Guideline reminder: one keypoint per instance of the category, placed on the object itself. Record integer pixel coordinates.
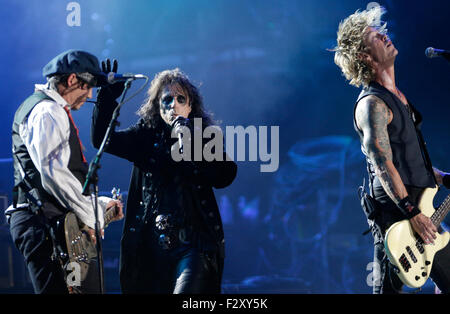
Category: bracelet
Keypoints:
(408, 208)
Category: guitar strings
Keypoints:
(441, 211)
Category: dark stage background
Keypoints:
(260, 63)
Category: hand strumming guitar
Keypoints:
(424, 227)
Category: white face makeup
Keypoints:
(174, 101)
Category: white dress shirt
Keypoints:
(46, 135)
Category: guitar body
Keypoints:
(406, 249)
(80, 248)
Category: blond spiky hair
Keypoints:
(350, 43)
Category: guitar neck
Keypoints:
(109, 215)
(440, 213)
(111, 212)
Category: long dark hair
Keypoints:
(149, 111)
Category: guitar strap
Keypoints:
(426, 155)
(32, 194)
(423, 147)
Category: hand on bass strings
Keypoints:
(424, 227)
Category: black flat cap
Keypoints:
(75, 61)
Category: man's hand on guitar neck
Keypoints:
(424, 227)
(118, 215)
(118, 211)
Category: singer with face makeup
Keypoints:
(173, 240)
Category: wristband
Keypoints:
(408, 208)
(446, 181)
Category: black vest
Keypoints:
(24, 165)
(409, 153)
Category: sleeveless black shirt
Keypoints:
(409, 153)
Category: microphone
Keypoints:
(431, 52)
(112, 77)
(177, 123)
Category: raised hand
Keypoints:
(113, 90)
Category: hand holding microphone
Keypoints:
(177, 125)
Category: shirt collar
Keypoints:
(52, 94)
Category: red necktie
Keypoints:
(78, 135)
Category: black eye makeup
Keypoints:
(167, 100)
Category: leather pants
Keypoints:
(183, 269)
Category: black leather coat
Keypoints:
(160, 185)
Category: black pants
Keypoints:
(181, 270)
(32, 237)
(386, 281)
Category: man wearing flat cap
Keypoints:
(50, 170)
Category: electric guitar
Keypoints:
(405, 248)
(79, 245)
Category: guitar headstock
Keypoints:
(116, 194)
(113, 210)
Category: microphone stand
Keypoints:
(92, 179)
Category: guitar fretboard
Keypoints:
(441, 212)
(109, 215)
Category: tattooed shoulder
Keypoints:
(372, 112)
(373, 117)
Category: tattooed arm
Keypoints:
(373, 117)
